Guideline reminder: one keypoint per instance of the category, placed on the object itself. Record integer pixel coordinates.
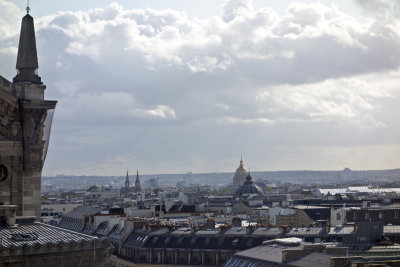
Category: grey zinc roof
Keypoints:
(271, 253)
(115, 233)
(159, 231)
(45, 234)
(341, 230)
(135, 240)
(182, 231)
(244, 262)
(70, 223)
(274, 231)
(314, 259)
(207, 232)
(236, 231)
(306, 231)
(102, 229)
(81, 211)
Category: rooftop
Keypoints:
(38, 233)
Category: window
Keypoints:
(367, 215)
(221, 241)
(235, 241)
(338, 216)
(207, 240)
(355, 216)
(193, 241)
(249, 241)
(380, 215)
(167, 239)
(24, 236)
(180, 240)
(396, 215)
(155, 239)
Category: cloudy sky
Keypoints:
(176, 86)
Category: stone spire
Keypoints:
(137, 182)
(27, 61)
(127, 180)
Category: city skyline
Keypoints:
(172, 90)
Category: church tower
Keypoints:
(137, 183)
(25, 118)
(126, 191)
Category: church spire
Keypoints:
(137, 182)
(241, 161)
(127, 180)
(27, 61)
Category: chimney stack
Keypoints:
(8, 214)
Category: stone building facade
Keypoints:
(25, 120)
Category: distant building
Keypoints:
(152, 182)
(357, 190)
(127, 189)
(248, 189)
(137, 187)
(282, 252)
(240, 175)
(386, 215)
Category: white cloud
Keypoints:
(331, 100)
(160, 111)
(234, 120)
(10, 17)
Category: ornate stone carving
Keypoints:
(32, 124)
(3, 173)
(5, 127)
(15, 129)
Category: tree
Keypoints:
(157, 190)
(93, 188)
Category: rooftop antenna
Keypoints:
(28, 8)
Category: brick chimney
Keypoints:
(327, 227)
(236, 222)
(210, 224)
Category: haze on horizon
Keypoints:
(290, 86)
